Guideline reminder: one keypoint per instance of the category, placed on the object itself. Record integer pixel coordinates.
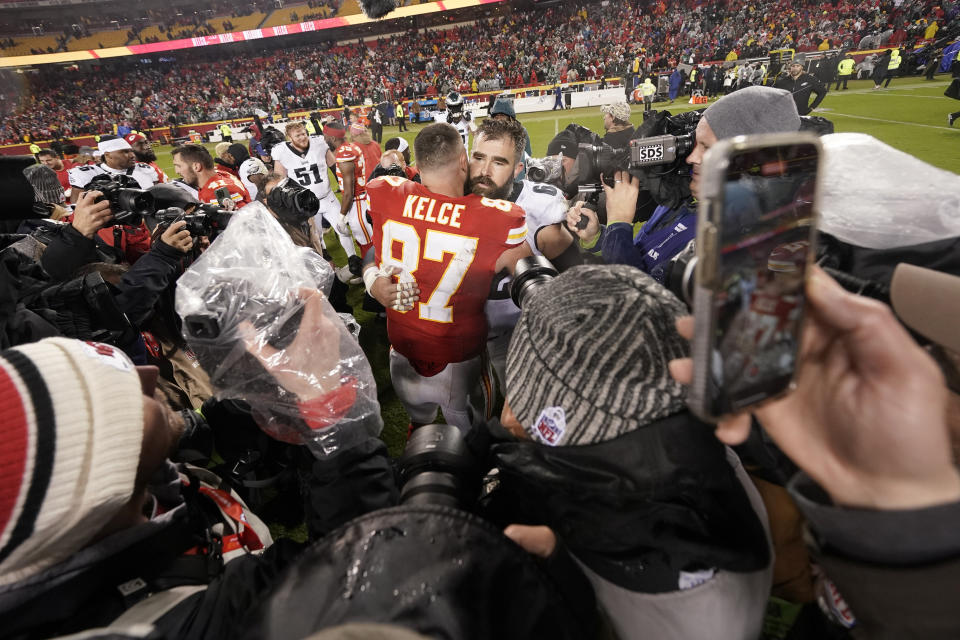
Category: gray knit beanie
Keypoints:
(588, 358)
(753, 110)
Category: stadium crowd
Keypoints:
(527, 48)
(193, 391)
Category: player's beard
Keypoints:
(192, 179)
(482, 186)
(146, 156)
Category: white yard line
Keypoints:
(912, 124)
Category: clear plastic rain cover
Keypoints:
(254, 313)
(877, 197)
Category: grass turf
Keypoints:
(910, 116)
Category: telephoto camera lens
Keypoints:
(531, 274)
(140, 203)
(437, 468)
(679, 276)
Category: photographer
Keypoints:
(867, 425)
(668, 231)
(297, 223)
(90, 236)
(665, 524)
(616, 124)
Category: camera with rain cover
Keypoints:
(128, 202)
(548, 170)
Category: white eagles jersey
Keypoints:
(309, 168)
(544, 205)
(464, 127)
(143, 173)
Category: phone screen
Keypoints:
(763, 251)
(222, 194)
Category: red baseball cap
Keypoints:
(134, 137)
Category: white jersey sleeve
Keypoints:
(544, 205)
(81, 176)
(146, 175)
(309, 168)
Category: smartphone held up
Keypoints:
(756, 230)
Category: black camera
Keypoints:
(205, 220)
(293, 203)
(679, 273)
(529, 275)
(656, 150)
(128, 202)
(394, 170)
(437, 468)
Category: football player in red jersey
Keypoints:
(194, 164)
(444, 248)
(144, 153)
(351, 175)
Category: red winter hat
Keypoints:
(134, 137)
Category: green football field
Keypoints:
(911, 116)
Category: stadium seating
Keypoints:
(24, 45)
(98, 39)
(282, 16)
(349, 8)
(242, 23)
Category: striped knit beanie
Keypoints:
(71, 428)
(588, 358)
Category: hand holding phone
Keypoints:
(222, 195)
(755, 240)
(868, 418)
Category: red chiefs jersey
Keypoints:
(351, 152)
(63, 175)
(450, 246)
(238, 193)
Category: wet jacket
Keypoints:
(641, 508)
(435, 570)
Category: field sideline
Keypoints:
(910, 116)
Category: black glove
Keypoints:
(355, 264)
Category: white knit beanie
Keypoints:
(71, 428)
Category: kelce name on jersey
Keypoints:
(421, 208)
